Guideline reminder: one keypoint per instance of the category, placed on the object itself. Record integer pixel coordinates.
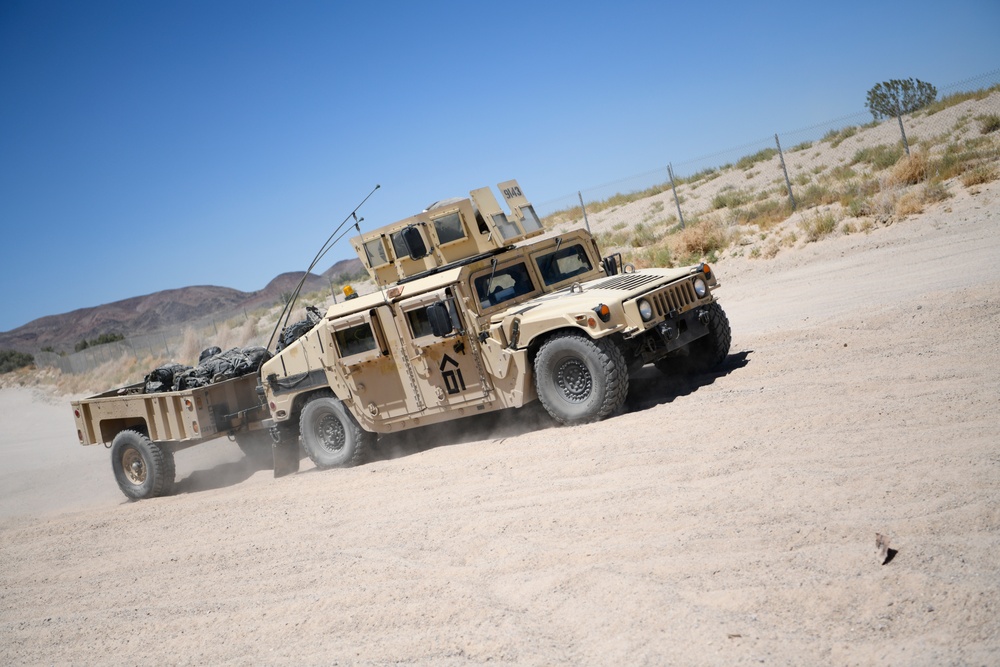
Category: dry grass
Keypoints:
(698, 241)
(819, 225)
(983, 173)
(910, 169)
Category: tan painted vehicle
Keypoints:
(477, 310)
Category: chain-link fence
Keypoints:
(790, 170)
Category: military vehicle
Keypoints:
(476, 309)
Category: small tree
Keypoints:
(897, 97)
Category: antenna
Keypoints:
(330, 242)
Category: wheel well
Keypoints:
(112, 427)
(538, 341)
(300, 402)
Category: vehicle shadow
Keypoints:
(490, 426)
(219, 476)
(649, 387)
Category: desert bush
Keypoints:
(748, 161)
(957, 98)
(764, 214)
(11, 360)
(910, 202)
(730, 198)
(837, 137)
(983, 173)
(879, 157)
(842, 173)
(817, 226)
(816, 195)
(642, 236)
(988, 123)
(701, 239)
(856, 197)
(658, 256)
(910, 169)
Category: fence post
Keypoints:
(788, 183)
(670, 170)
(906, 144)
(584, 209)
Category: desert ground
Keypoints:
(724, 519)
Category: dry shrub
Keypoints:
(910, 169)
(701, 239)
(765, 214)
(980, 174)
(910, 202)
(818, 226)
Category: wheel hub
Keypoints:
(133, 466)
(574, 380)
(331, 433)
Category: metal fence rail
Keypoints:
(793, 142)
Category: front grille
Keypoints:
(676, 297)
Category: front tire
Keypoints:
(580, 380)
(330, 435)
(707, 352)
(143, 469)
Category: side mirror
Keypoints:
(440, 319)
(415, 245)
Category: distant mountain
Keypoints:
(162, 310)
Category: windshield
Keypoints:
(507, 283)
(563, 263)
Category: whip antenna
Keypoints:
(286, 313)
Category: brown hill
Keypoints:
(161, 310)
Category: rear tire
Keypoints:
(143, 469)
(330, 435)
(580, 380)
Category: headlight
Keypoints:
(700, 288)
(645, 310)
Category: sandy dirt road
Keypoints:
(723, 520)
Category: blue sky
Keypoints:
(153, 145)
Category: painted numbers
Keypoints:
(510, 193)
(454, 383)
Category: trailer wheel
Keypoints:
(143, 469)
(330, 435)
(580, 380)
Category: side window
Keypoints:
(399, 245)
(505, 284)
(355, 340)
(420, 325)
(531, 222)
(562, 264)
(376, 252)
(449, 228)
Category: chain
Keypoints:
(409, 374)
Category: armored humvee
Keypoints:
(479, 309)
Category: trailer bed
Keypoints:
(182, 418)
